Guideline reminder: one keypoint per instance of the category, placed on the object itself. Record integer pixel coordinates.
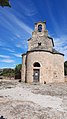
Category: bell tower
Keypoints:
(40, 29)
(40, 39)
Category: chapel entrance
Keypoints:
(36, 72)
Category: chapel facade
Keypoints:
(42, 63)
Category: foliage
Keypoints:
(8, 72)
(5, 3)
(18, 71)
(1, 70)
(65, 67)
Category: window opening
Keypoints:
(36, 64)
(39, 44)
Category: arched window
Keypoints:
(36, 64)
(40, 28)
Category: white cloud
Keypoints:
(7, 61)
(22, 25)
(18, 36)
(22, 44)
(8, 49)
(18, 45)
(4, 56)
(28, 8)
(61, 45)
(7, 67)
(17, 55)
(2, 43)
(13, 22)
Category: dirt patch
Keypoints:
(29, 101)
(51, 89)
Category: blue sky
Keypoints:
(17, 24)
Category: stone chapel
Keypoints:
(42, 63)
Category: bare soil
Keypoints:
(33, 101)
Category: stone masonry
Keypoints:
(42, 63)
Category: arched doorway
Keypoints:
(36, 72)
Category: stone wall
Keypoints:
(50, 66)
(46, 43)
(23, 71)
(40, 37)
(58, 68)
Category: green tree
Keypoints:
(18, 71)
(5, 3)
(1, 71)
(8, 72)
(65, 67)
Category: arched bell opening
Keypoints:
(40, 28)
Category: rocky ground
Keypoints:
(33, 101)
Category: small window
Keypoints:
(39, 44)
(36, 64)
(40, 28)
